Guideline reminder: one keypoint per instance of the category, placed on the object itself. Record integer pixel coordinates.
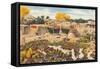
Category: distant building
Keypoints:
(27, 19)
(41, 30)
(73, 34)
(91, 21)
(24, 29)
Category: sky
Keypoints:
(75, 13)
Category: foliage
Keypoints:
(39, 51)
(24, 11)
(40, 19)
(78, 20)
(62, 16)
(51, 30)
(55, 43)
(65, 30)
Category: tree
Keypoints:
(62, 16)
(42, 19)
(80, 20)
(23, 12)
(47, 17)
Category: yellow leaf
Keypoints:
(24, 10)
(30, 49)
(29, 53)
(22, 53)
(62, 16)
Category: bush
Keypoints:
(55, 43)
(51, 30)
(65, 30)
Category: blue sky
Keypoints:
(73, 12)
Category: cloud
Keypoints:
(82, 13)
(42, 11)
(73, 12)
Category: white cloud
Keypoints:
(82, 13)
(44, 12)
(75, 13)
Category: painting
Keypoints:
(56, 34)
(50, 34)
